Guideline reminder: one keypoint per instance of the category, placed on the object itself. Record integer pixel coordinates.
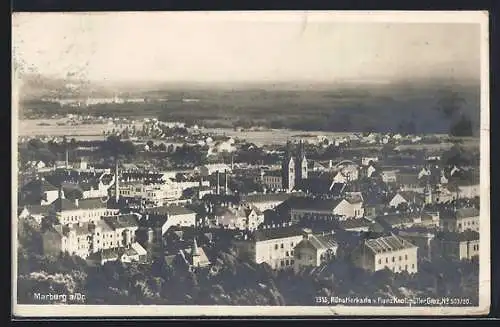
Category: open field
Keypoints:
(32, 127)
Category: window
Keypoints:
(287, 262)
(292, 262)
(459, 225)
(282, 263)
(387, 260)
(287, 254)
(276, 246)
(393, 259)
(282, 246)
(412, 266)
(400, 258)
(406, 256)
(379, 261)
(291, 252)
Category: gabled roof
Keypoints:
(411, 196)
(269, 197)
(398, 218)
(172, 210)
(353, 223)
(460, 213)
(276, 233)
(466, 236)
(39, 185)
(388, 244)
(319, 242)
(122, 221)
(304, 203)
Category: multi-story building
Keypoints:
(79, 210)
(274, 246)
(244, 216)
(325, 209)
(272, 180)
(267, 201)
(85, 238)
(392, 252)
(461, 246)
(313, 250)
(460, 220)
(167, 216)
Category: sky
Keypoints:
(203, 47)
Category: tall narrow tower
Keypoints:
(225, 182)
(301, 169)
(217, 187)
(288, 170)
(117, 182)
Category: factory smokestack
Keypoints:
(217, 189)
(117, 182)
(225, 182)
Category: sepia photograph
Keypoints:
(250, 163)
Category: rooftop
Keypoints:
(304, 203)
(461, 213)
(276, 233)
(172, 210)
(388, 244)
(122, 221)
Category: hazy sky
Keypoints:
(199, 47)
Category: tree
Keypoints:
(162, 147)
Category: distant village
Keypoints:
(382, 212)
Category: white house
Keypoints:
(392, 252)
(314, 250)
(325, 209)
(460, 220)
(274, 246)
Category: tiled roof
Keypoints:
(353, 223)
(87, 204)
(460, 213)
(39, 185)
(276, 233)
(398, 218)
(63, 205)
(322, 241)
(466, 236)
(388, 244)
(122, 221)
(270, 197)
(172, 210)
(303, 203)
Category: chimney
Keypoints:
(117, 183)
(67, 156)
(217, 189)
(76, 202)
(225, 182)
(61, 192)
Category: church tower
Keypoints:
(288, 170)
(301, 169)
(429, 198)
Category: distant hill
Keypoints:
(420, 106)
